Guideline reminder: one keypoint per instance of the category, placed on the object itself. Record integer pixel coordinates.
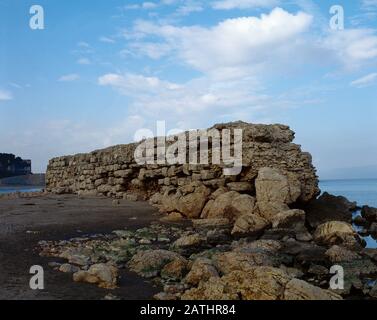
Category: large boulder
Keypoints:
(230, 205)
(192, 240)
(188, 200)
(293, 219)
(336, 232)
(301, 290)
(273, 186)
(329, 208)
(175, 270)
(249, 224)
(247, 255)
(369, 214)
(191, 203)
(202, 270)
(258, 283)
(275, 191)
(149, 263)
(104, 275)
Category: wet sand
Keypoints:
(25, 221)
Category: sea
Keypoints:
(363, 191)
(11, 189)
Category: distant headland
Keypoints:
(12, 166)
(15, 171)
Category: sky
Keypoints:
(100, 70)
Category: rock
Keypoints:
(250, 224)
(373, 291)
(258, 283)
(335, 232)
(213, 289)
(293, 219)
(218, 192)
(243, 257)
(318, 270)
(339, 254)
(110, 297)
(54, 264)
(269, 210)
(149, 263)
(104, 275)
(79, 260)
(360, 221)
(145, 241)
(173, 217)
(192, 204)
(292, 272)
(163, 296)
(371, 253)
(329, 208)
(373, 228)
(216, 237)
(68, 268)
(300, 290)
(229, 205)
(175, 270)
(156, 198)
(211, 223)
(368, 213)
(175, 288)
(305, 252)
(189, 241)
(272, 186)
(267, 245)
(240, 186)
(201, 270)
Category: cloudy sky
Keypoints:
(100, 70)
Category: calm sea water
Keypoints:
(363, 191)
(7, 189)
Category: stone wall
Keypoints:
(113, 172)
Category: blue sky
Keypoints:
(100, 70)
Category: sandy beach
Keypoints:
(26, 221)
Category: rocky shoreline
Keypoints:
(262, 233)
(201, 259)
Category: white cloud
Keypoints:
(5, 95)
(353, 47)
(152, 50)
(243, 4)
(83, 44)
(154, 98)
(234, 45)
(148, 5)
(69, 77)
(365, 81)
(83, 61)
(234, 57)
(189, 8)
(135, 84)
(106, 40)
(369, 3)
